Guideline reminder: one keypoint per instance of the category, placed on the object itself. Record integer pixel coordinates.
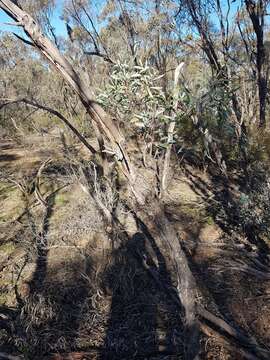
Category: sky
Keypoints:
(57, 23)
(60, 27)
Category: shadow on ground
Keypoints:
(122, 314)
(143, 320)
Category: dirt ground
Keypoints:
(84, 294)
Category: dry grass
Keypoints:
(95, 294)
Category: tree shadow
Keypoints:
(223, 206)
(41, 241)
(8, 157)
(52, 311)
(143, 321)
(229, 288)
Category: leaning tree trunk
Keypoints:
(103, 121)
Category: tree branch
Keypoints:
(97, 53)
(54, 112)
(24, 40)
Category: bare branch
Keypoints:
(97, 53)
(54, 112)
(24, 40)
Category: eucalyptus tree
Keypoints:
(138, 192)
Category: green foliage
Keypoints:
(134, 87)
(134, 93)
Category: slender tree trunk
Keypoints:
(167, 158)
(257, 12)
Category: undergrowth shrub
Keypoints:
(135, 96)
(254, 204)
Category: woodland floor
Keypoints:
(85, 295)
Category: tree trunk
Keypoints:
(104, 122)
(257, 12)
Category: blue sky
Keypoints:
(58, 24)
(60, 27)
